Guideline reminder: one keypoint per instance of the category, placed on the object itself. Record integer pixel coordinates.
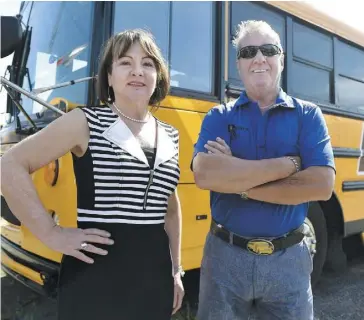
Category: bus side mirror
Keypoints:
(11, 35)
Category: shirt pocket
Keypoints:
(240, 141)
(283, 141)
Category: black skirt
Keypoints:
(133, 282)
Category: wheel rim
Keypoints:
(310, 236)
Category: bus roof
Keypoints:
(309, 13)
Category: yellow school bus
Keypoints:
(56, 60)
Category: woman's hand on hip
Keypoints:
(72, 241)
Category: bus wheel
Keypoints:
(336, 260)
(317, 240)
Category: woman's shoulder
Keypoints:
(96, 108)
(172, 132)
(96, 111)
(168, 127)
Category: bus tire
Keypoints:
(336, 260)
(317, 223)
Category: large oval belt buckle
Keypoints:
(260, 246)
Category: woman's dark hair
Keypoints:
(116, 47)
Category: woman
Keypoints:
(123, 260)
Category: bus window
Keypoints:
(59, 51)
(131, 15)
(350, 79)
(350, 94)
(191, 47)
(312, 59)
(182, 39)
(312, 45)
(302, 85)
(350, 61)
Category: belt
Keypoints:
(259, 246)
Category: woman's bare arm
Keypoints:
(68, 133)
(173, 225)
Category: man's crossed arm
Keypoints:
(269, 180)
(228, 174)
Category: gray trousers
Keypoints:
(232, 279)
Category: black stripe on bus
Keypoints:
(354, 227)
(353, 185)
(346, 153)
(340, 112)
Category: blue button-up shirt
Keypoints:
(291, 127)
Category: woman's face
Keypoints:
(134, 75)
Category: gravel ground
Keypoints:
(341, 297)
(336, 297)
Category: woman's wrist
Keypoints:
(178, 270)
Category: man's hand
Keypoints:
(218, 147)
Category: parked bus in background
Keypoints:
(60, 42)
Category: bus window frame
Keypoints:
(290, 59)
(361, 157)
(338, 74)
(101, 31)
(332, 108)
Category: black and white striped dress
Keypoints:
(124, 190)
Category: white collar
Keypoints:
(120, 134)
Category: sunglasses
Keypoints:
(268, 50)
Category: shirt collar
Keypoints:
(283, 100)
(120, 134)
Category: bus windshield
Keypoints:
(59, 51)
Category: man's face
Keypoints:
(260, 73)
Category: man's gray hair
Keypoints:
(248, 27)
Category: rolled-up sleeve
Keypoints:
(315, 142)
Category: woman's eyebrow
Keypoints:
(145, 57)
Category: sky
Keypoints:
(340, 9)
(343, 10)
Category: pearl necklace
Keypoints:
(127, 117)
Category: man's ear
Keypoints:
(237, 66)
(282, 61)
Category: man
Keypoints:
(264, 157)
